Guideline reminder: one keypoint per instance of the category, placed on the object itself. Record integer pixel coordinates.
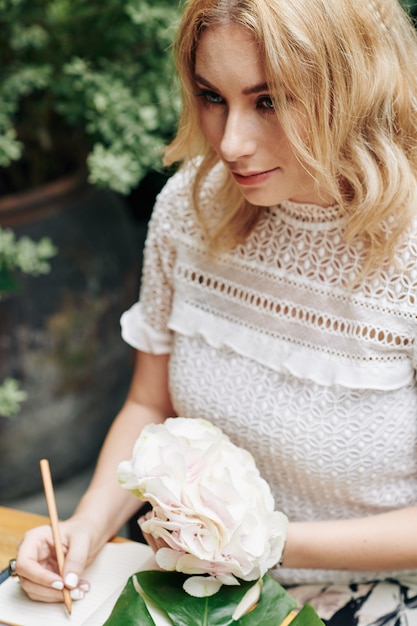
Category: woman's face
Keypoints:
(238, 119)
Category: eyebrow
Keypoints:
(248, 91)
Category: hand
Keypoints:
(37, 567)
(154, 542)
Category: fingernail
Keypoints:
(77, 594)
(71, 580)
(57, 584)
(85, 586)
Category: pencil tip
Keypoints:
(68, 606)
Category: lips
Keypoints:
(253, 178)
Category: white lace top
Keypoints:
(315, 377)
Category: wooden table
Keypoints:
(13, 525)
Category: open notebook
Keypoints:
(107, 575)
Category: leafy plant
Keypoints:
(11, 397)
(22, 254)
(85, 82)
(31, 258)
(164, 590)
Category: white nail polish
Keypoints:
(85, 586)
(71, 580)
(77, 594)
(57, 584)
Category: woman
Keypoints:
(279, 294)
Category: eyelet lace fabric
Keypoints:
(275, 343)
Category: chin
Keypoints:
(262, 199)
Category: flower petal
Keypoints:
(167, 558)
(227, 579)
(248, 601)
(201, 586)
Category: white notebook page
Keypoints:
(107, 575)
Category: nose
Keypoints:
(239, 137)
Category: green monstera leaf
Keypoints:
(164, 589)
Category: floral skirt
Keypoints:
(382, 603)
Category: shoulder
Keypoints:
(407, 253)
(175, 204)
(395, 283)
(183, 181)
(180, 183)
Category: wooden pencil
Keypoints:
(53, 517)
(289, 618)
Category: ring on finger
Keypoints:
(12, 567)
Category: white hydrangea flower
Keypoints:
(211, 506)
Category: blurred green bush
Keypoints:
(85, 82)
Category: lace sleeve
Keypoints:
(144, 325)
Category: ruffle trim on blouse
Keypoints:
(140, 335)
(325, 369)
(281, 356)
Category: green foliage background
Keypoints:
(85, 81)
(32, 258)
(410, 6)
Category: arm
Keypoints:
(105, 507)
(105, 504)
(382, 542)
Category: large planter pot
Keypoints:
(60, 334)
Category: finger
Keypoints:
(76, 560)
(40, 593)
(36, 558)
(154, 542)
(37, 566)
(150, 540)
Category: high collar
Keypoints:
(309, 213)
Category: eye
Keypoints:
(265, 103)
(209, 97)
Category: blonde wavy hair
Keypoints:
(351, 66)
